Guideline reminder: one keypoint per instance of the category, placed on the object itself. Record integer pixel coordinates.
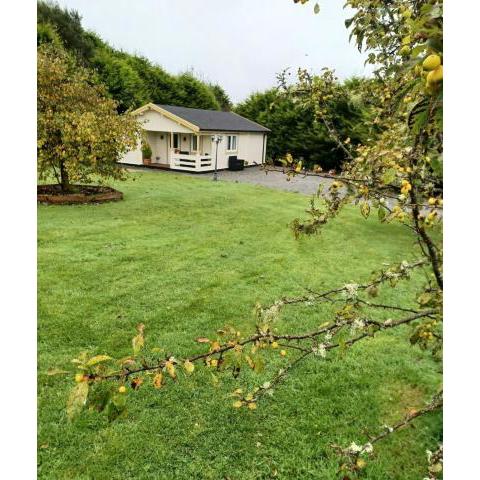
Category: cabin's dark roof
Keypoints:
(214, 120)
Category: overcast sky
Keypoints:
(240, 44)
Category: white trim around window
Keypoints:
(232, 143)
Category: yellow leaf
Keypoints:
(202, 340)
(250, 362)
(77, 399)
(137, 343)
(365, 209)
(237, 404)
(361, 463)
(171, 369)
(157, 380)
(97, 359)
(56, 371)
(189, 366)
(252, 405)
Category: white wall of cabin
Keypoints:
(249, 148)
(134, 157)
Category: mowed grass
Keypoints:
(185, 256)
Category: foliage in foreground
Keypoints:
(399, 175)
(80, 134)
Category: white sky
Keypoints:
(240, 44)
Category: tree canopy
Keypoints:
(80, 136)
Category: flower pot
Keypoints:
(147, 161)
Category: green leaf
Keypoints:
(418, 49)
(77, 399)
(372, 291)
(119, 400)
(389, 176)
(382, 213)
(421, 121)
(437, 165)
(420, 109)
(316, 9)
(99, 399)
(116, 407)
(424, 299)
(113, 412)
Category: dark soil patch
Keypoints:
(53, 194)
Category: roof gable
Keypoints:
(152, 107)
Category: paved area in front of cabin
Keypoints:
(258, 176)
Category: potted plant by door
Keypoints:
(146, 153)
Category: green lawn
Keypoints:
(185, 256)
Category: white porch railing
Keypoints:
(191, 162)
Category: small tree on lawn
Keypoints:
(80, 134)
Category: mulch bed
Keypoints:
(53, 195)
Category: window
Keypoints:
(176, 140)
(194, 143)
(231, 143)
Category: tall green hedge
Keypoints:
(295, 131)
(132, 80)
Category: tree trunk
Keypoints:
(65, 181)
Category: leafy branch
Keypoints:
(353, 456)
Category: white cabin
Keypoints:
(183, 139)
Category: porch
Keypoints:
(180, 150)
(191, 161)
